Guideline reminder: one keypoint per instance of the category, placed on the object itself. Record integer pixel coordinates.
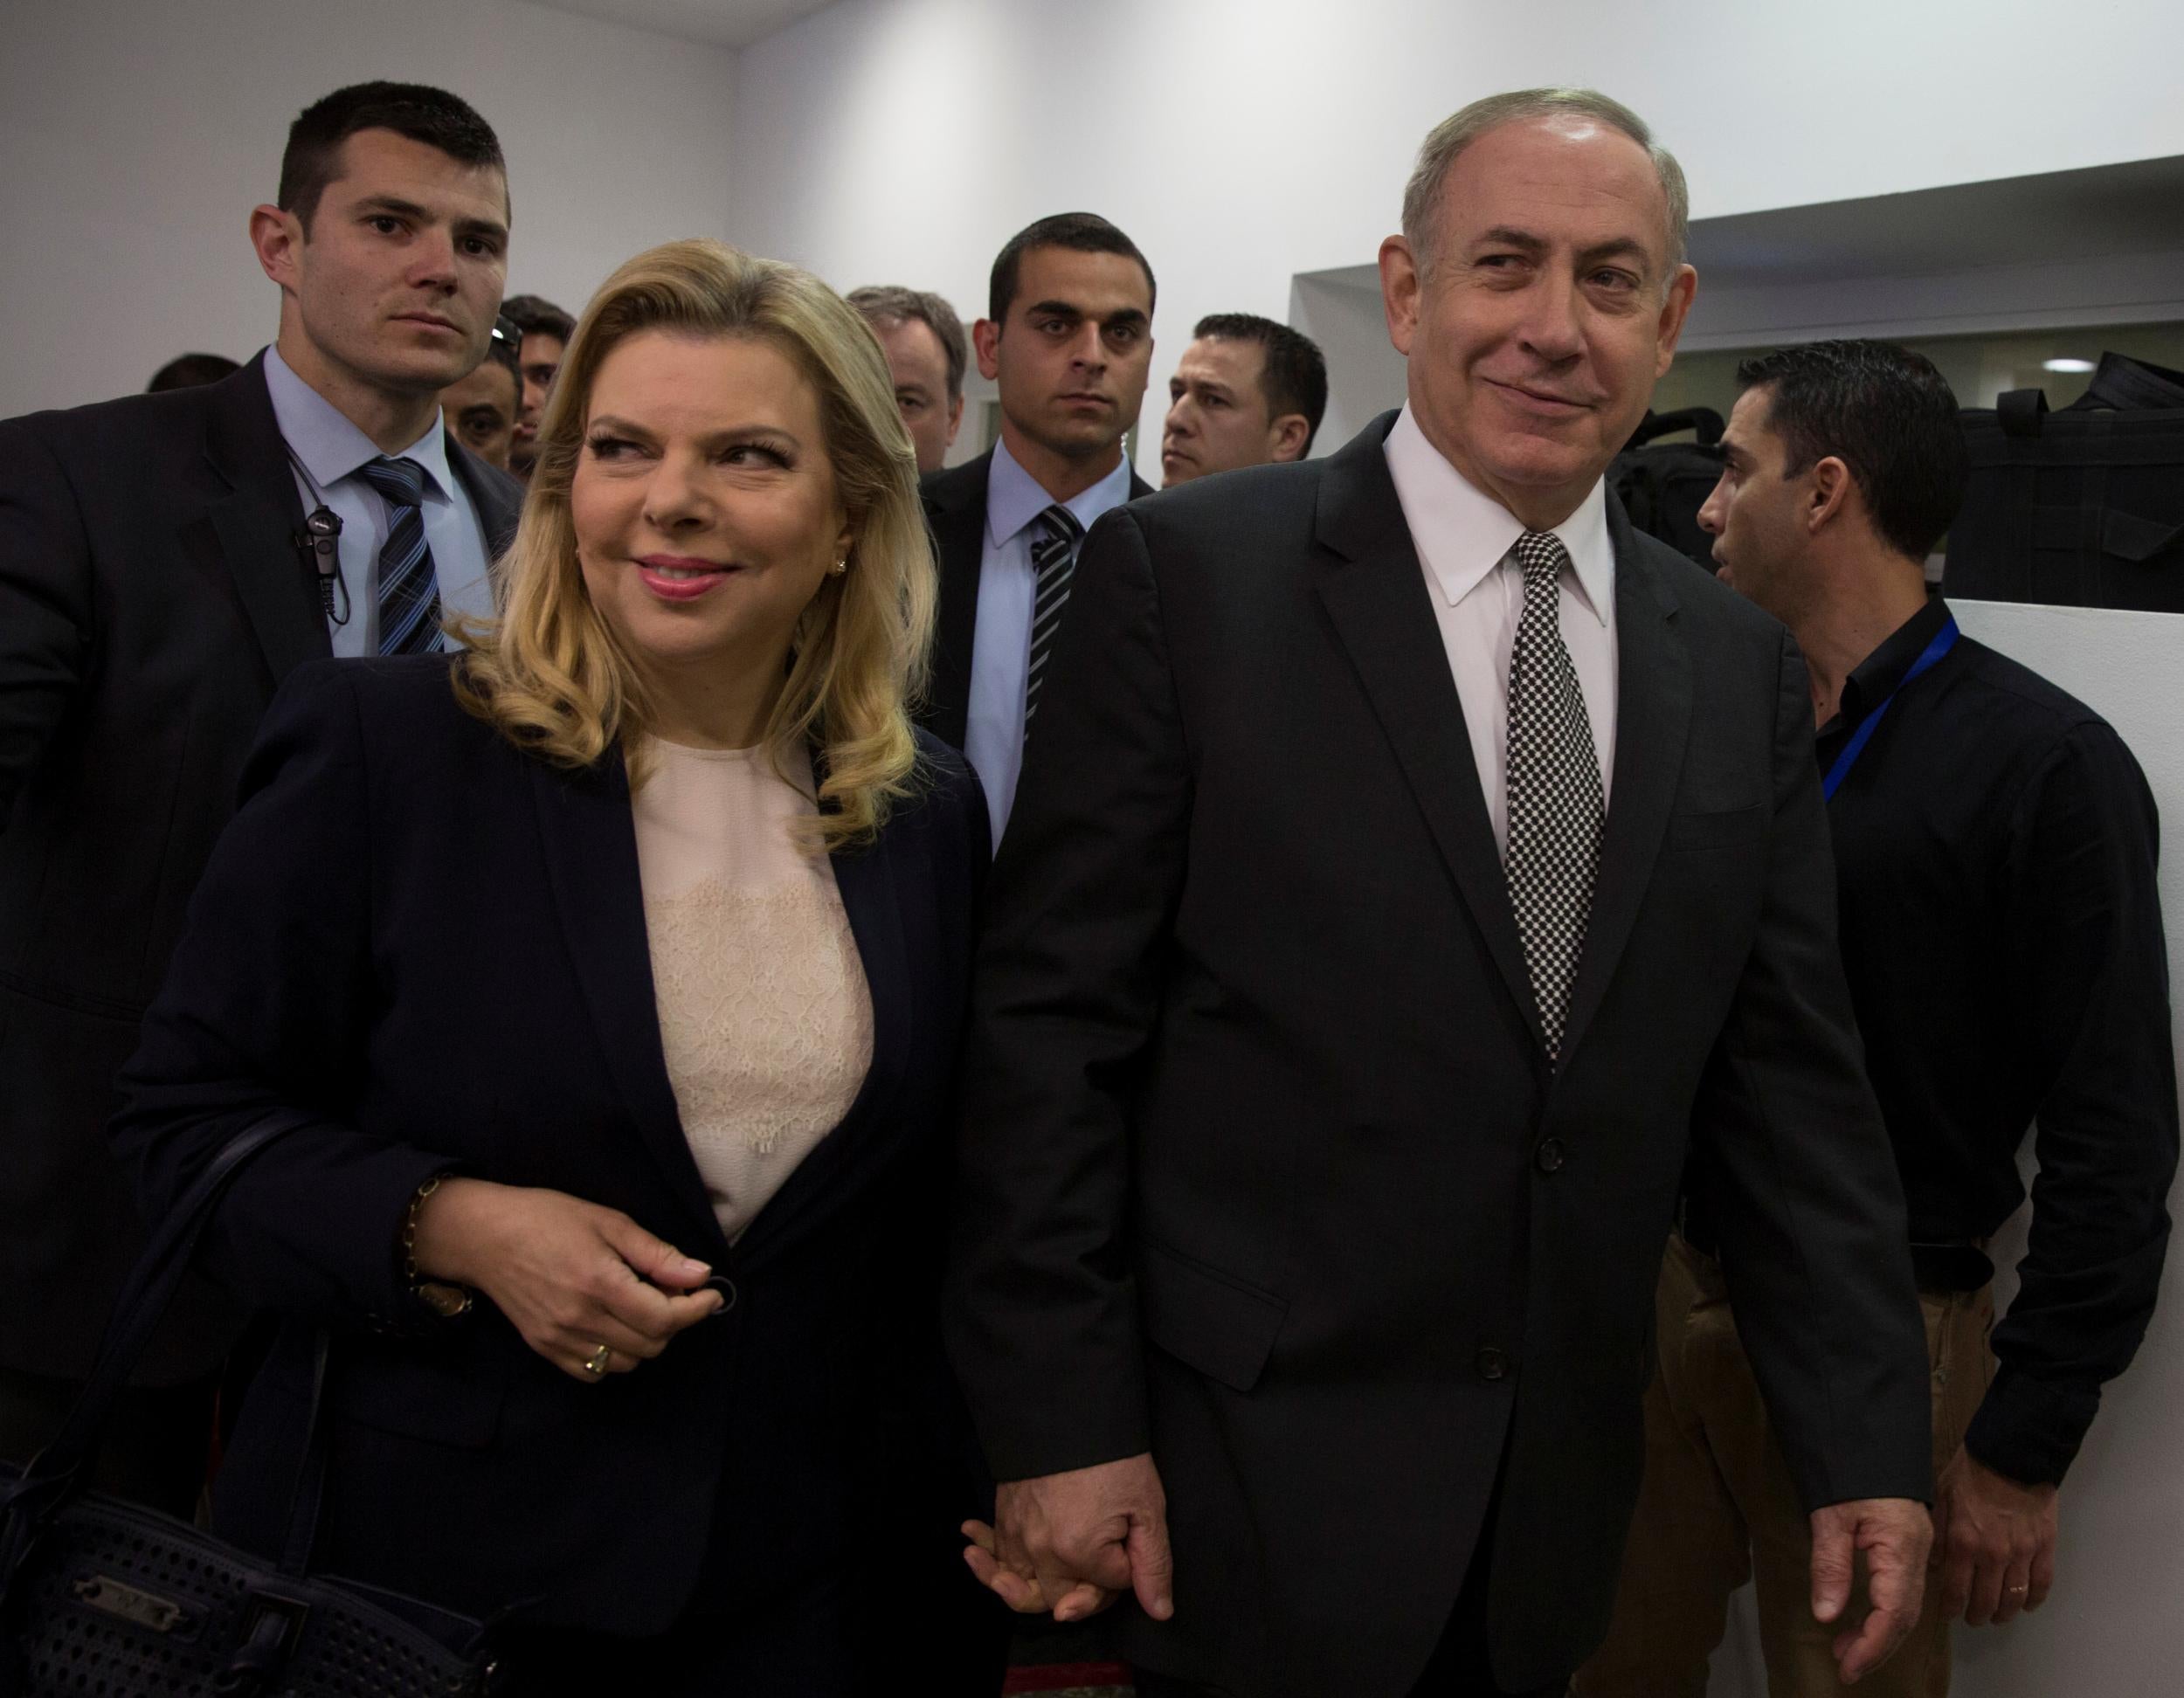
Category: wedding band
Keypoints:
(595, 1364)
(2016, 1591)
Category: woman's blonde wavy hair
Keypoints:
(550, 674)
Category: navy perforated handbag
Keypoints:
(105, 1596)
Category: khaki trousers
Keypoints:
(1718, 1507)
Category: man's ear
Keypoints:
(276, 237)
(985, 343)
(955, 419)
(1675, 307)
(1834, 493)
(1399, 283)
(1290, 432)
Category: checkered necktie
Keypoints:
(409, 598)
(1054, 545)
(1556, 814)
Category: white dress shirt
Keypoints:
(1001, 640)
(1464, 538)
(325, 450)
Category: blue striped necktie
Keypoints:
(1053, 562)
(409, 595)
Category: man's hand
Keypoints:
(1070, 1542)
(1994, 1541)
(1894, 1534)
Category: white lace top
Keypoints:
(764, 1010)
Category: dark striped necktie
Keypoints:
(1054, 544)
(409, 595)
(1557, 813)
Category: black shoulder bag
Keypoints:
(2082, 508)
(1663, 485)
(100, 1596)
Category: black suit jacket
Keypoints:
(435, 946)
(1263, 1167)
(954, 509)
(151, 597)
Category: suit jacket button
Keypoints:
(1550, 1155)
(1493, 1363)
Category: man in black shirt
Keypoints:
(1996, 848)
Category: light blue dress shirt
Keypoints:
(1001, 644)
(324, 452)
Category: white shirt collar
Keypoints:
(328, 445)
(1461, 533)
(1014, 498)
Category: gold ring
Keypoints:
(2015, 1592)
(595, 1364)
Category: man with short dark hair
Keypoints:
(187, 371)
(1068, 342)
(2001, 931)
(927, 356)
(165, 561)
(544, 330)
(1417, 870)
(481, 409)
(1248, 392)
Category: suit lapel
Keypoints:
(590, 845)
(1652, 713)
(497, 497)
(866, 879)
(955, 506)
(254, 524)
(1375, 592)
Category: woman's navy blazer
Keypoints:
(434, 943)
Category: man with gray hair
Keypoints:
(1417, 875)
(924, 340)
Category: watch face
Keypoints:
(446, 1302)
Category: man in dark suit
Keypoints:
(927, 356)
(1069, 345)
(1415, 867)
(165, 559)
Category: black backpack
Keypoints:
(1663, 484)
(2082, 508)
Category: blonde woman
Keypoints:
(619, 965)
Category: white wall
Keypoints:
(1241, 141)
(1343, 312)
(135, 136)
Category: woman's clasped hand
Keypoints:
(572, 1277)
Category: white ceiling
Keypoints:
(721, 22)
(2055, 217)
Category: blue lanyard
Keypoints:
(1945, 639)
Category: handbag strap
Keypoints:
(2022, 412)
(56, 1472)
(310, 1484)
